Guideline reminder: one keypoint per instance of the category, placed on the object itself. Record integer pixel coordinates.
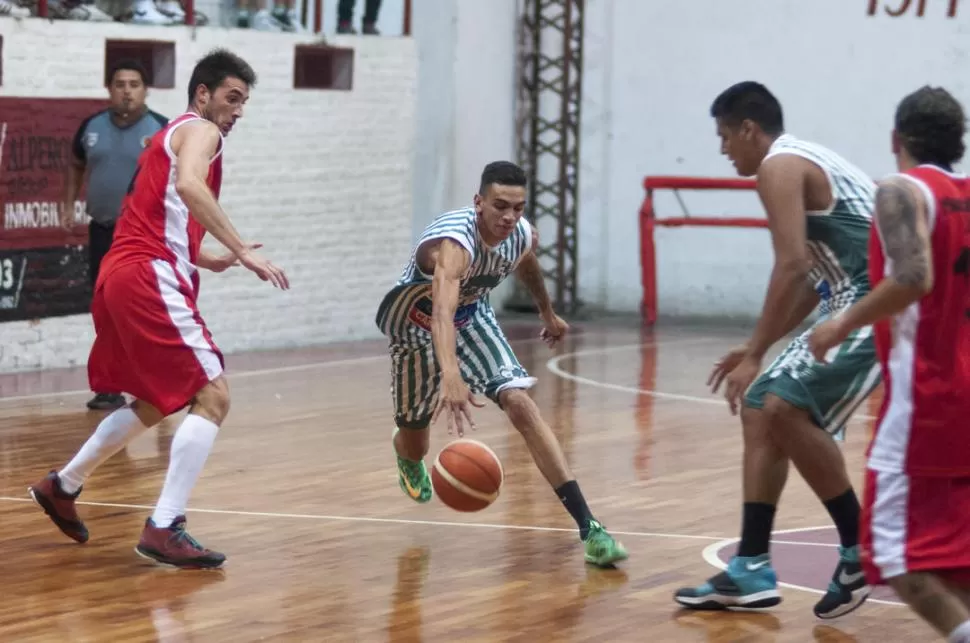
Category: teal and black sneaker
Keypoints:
(848, 589)
(747, 582)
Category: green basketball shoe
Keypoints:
(413, 477)
(601, 548)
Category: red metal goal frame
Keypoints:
(649, 223)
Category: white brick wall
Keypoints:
(321, 178)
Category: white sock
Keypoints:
(961, 634)
(114, 432)
(190, 447)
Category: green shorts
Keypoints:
(831, 391)
(487, 363)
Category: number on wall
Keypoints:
(897, 8)
(6, 274)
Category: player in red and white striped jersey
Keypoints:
(151, 339)
(916, 512)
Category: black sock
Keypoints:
(758, 518)
(845, 512)
(572, 498)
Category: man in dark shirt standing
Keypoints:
(105, 151)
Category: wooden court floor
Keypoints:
(300, 493)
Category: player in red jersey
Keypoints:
(151, 340)
(916, 512)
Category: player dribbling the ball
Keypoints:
(446, 345)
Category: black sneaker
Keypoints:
(106, 402)
(848, 589)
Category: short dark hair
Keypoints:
(218, 65)
(930, 124)
(502, 173)
(752, 101)
(127, 64)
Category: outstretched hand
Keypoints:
(737, 370)
(456, 400)
(263, 268)
(223, 262)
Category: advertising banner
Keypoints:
(43, 266)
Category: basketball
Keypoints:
(467, 475)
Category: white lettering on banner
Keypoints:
(904, 6)
(30, 215)
(6, 274)
(11, 282)
(39, 214)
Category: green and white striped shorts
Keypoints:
(487, 363)
(831, 391)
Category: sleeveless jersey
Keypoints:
(155, 223)
(837, 237)
(923, 427)
(406, 309)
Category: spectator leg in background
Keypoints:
(245, 11)
(369, 23)
(345, 16)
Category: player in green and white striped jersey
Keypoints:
(446, 345)
(819, 209)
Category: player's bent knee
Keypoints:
(212, 402)
(751, 417)
(779, 413)
(147, 414)
(754, 426)
(520, 408)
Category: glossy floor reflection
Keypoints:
(300, 492)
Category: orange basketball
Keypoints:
(467, 475)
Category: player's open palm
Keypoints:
(264, 269)
(724, 366)
(738, 381)
(455, 400)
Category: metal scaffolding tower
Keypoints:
(548, 124)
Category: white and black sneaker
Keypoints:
(144, 12)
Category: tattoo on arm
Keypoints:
(903, 237)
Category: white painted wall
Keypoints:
(322, 178)
(428, 113)
(651, 71)
(838, 72)
(466, 97)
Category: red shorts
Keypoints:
(151, 341)
(915, 523)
